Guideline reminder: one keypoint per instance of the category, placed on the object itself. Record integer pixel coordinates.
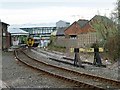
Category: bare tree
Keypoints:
(116, 18)
(118, 29)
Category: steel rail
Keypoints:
(93, 77)
(108, 80)
(112, 82)
(78, 83)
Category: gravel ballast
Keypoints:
(111, 73)
(17, 75)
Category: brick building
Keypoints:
(4, 36)
(74, 34)
(98, 29)
(84, 33)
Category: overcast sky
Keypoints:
(46, 11)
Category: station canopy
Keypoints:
(17, 31)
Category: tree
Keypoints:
(104, 27)
(114, 42)
(118, 38)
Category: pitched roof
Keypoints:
(4, 23)
(102, 22)
(17, 31)
(82, 22)
(88, 28)
(76, 27)
(85, 26)
(73, 29)
(62, 21)
(102, 19)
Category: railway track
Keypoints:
(53, 57)
(81, 79)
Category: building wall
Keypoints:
(87, 39)
(6, 40)
(60, 41)
(4, 36)
(0, 36)
(82, 40)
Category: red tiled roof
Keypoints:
(85, 27)
(88, 28)
(73, 29)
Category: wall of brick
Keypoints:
(0, 36)
(82, 40)
(87, 39)
(6, 37)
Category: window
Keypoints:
(3, 34)
(73, 36)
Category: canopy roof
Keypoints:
(17, 31)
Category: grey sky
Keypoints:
(14, 4)
(24, 5)
(41, 11)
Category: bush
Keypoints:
(113, 47)
(57, 48)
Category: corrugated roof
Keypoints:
(4, 23)
(17, 31)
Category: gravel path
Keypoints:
(17, 75)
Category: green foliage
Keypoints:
(95, 45)
(113, 43)
(107, 30)
(57, 48)
(118, 38)
(113, 47)
(104, 27)
(52, 39)
(51, 45)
